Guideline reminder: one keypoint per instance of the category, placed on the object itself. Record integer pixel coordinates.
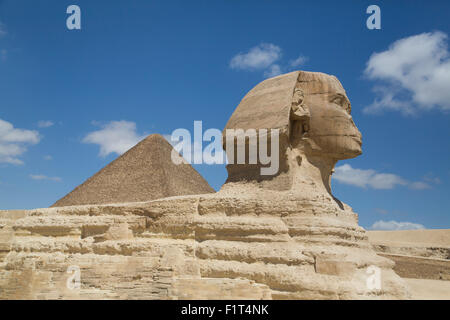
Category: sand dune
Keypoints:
(422, 258)
(426, 237)
(422, 289)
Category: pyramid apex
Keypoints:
(154, 136)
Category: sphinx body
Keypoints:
(281, 236)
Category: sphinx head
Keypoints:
(313, 115)
(320, 118)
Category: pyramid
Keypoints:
(145, 172)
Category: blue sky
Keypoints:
(141, 67)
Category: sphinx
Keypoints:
(276, 236)
(313, 114)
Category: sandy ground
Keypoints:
(420, 268)
(425, 289)
(427, 237)
(422, 259)
(431, 243)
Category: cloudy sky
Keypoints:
(71, 101)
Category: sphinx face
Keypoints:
(331, 128)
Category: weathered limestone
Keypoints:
(194, 247)
(260, 237)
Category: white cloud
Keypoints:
(299, 61)
(114, 137)
(257, 58)
(419, 185)
(45, 124)
(273, 71)
(418, 66)
(365, 178)
(394, 225)
(265, 57)
(429, 177)
(386, 99)
(44, 177)
(48, 157)
(13, 142)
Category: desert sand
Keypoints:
(422, 258)
(422, 289)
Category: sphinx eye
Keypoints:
(338, 100)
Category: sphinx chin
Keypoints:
(354, 149)
(346, 148)
(349, 153)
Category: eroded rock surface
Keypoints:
(194, 247)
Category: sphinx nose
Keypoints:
(355, 128)
(351, 120)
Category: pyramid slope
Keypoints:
(145, 172)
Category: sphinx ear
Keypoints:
(299, 125)
(299, 110)
(299, 115)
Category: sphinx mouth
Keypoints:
(358, 140)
